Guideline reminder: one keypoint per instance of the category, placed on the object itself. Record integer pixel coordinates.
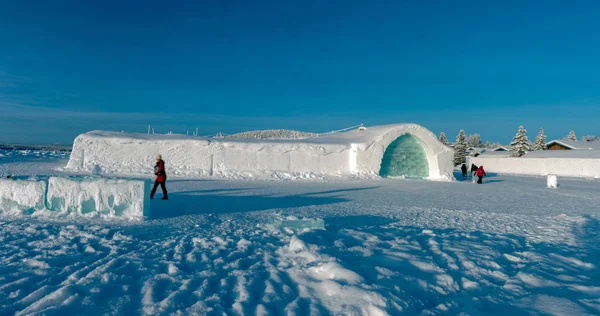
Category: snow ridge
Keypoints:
(272, 134)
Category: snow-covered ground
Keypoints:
(510, 246)
(32, 155)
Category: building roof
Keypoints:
(496, 154)
(576, 145)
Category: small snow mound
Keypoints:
(296, 244)
(334, 271)
(172, 269)
(34, 263)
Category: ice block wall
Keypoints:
(124, 198)
(21, 196)
(565, 167)
(76, 197)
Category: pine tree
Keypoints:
(475, 141)
(460, 148)
(444, 139)
(520, 144)
(488, 144)
(540, 141)
(572, 136)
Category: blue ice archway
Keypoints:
(405, 157)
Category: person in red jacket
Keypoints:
(480, 173)
(161, 178)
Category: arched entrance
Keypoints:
(405, 157)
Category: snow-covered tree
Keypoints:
(520, 144)
(475, 141)
(493, 145)
(460, 148)
(488, 144)
(572, 136)
(590, 138)
(540, 141)
(444, 139)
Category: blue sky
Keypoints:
(67, 67)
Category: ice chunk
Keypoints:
(126, 198)
(302, 224)
(21, 196)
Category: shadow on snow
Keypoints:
(238, 200)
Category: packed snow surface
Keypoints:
(337, 154)
(370, 247)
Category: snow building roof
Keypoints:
(496, 154)
(355, 136)
(576, 145)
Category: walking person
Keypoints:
(473, 169)
(161, 178)
(480, 174)
(463, 168)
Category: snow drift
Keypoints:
(347, 153)
(76, 197)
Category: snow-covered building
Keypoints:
(501, 148)
(566, 144)
(475, 151)
(400, 150)
(493, 153)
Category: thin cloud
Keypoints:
(12, 81)
(15, 111)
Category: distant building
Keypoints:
(494, 153)
(475, 151)
(501, 148)
(573, 145)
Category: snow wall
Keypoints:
(348, 153)
(76, 197)
(566, 167)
